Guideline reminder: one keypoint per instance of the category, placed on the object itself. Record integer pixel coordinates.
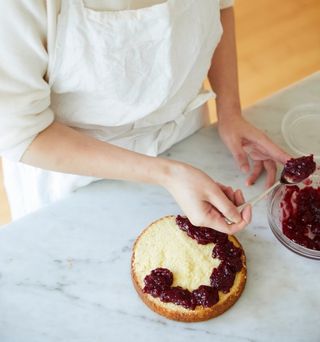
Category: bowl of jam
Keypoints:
(294, 216)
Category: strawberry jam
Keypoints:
(297, 170)
(202, 235)
(159, 282)
(301, 216)
(206, 296)
(222, 278)
(179, 296)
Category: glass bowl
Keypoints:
(300, 129)
(274, 218)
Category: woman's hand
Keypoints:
(63, 149)
(244, 141)
(205, 202)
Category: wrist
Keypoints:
(228, 109)
(161, 170)
(167, 171)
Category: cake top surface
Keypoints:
(164, 245)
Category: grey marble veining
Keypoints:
(65, 270)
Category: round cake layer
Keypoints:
(164, 245)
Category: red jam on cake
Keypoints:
(187, 273)
(159, 282)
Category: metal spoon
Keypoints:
(285, 179)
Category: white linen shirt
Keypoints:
(27, 40)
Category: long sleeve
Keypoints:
(24, 92)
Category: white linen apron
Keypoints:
(130, 77)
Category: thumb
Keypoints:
(275, 152)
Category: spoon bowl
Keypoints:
(295, 171)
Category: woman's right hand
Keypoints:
(204, 201)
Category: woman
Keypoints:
(97, 89)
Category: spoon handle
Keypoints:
(258, 198)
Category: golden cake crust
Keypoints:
(178, 313)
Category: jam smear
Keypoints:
(297, 170)
(226, 251)
(179, 296)
(202, 235)
(230, 254)
(222, 278)
(206, 296)
(301, 216)
(159, 282)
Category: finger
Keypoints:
(256, 172)
(247, 213)
(219, 200)
(217, 222)
(228, 191)
(246, 219)
(258, 155)
(239, 199)
(271, 170)
(275, 152)
(222, 186)
(240, 156)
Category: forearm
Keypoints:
(63, 149)
(223, 73)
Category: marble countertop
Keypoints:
(65, 270)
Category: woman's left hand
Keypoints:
(244, 141)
